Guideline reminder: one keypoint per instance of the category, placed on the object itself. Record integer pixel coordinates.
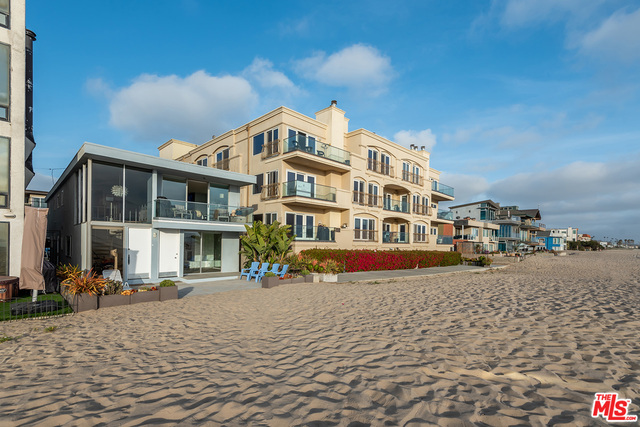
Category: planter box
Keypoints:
(113, 300)
(147, 296)
(168, 292)
(329, 278)
(272, 282)
(82, 302)
(311, 278)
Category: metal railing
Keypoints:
(382, 168)
(412, 177)
(313, 233)
(317, 148)
(395, 205)
(309, 190)
(37, 203)
(270, 191)
(422, 209)
(365, 235)
(367, 199)
(222, 164)
(467, 237)
(395, 237)
(420, 238)
(177, 209)
(270, 149)
(441, 188)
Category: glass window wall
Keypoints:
(202, 252)
(107, 250)
(4, 248)
(174, 189)
(5, 62)
(107, 192)
(138, 195)
(4, 172)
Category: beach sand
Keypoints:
(528, 344)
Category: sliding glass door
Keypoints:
(202, 252)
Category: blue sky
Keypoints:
(534, 103)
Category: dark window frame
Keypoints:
(7, 109)
(8, 245)
(7, 195)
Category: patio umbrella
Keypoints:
(33, 241)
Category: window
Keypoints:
(202, 161)
(372, 160)
(301, 141)
(373, 195)
(365, 229)
(257, 187)
(4, 13)
(420, 233)
(434, 231)
(258, 142)
(270, 218)
(5, 66)
(405, 171)
(272, 189)
(222, 159)
(358, 192)
(272, 135)
(4, 248)
(4, 172)
(416, 174)
(386, 161)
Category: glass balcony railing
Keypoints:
(395, 205)
(395, 237)
(466, 237)
(176, 209)
(441, 188)
(448, 215)
(317, 148)
(445, 240)
(308, 189)
(311, 233)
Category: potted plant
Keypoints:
(112, 295)
(82, 290)
(145, 294)
(168, 290)
(270, 280)
(329, 270)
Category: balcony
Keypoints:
(176, 209)
(313, 234)
(470, 237)
(443, 192)
(379, 167)
(444, 240)
(422, 209)
(420, 238)
(270, 191)
(308, 190)
(270, 149)
(365, 235)
(37, 203)
(367, 199)
(340, 160)
(395, 237)
(395, 205)
(412, 177)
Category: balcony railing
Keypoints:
(37, 203)
(271, 149)
(176, 209)
(445, 240)
(311, 233)
(308, 189)
(317, 148)
(422, 209)
(270, 191)
(420, 238)
(466, 237)
(445, 215)
(367, 199)
(365, 235)
(395, 237)
(412, 177)
(441, 188)
(377, 166)
(396, 205)
(222, 164)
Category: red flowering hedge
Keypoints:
(368, 260)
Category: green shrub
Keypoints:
(305, 272)
(166, 283)
(269, 274)
(112, 287)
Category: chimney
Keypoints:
(334, 103)
(422, 148)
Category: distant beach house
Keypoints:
(145, 217)
(552, 242)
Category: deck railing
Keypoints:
(309, 190)
(313, 146)
(177, 209)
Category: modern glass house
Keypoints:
(146, 217)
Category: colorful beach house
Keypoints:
(145, 218)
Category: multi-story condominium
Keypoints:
(16, 130)
(336, 188)
(482, 233)
(136, 217)
(570, 234)
(485, 210)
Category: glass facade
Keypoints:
(202, 252)
(174, 189)
(4, 248)
(138, 195)
(107, 192)
(107, 250)
(4, 172)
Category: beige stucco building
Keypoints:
(336, 188)
(16, 140)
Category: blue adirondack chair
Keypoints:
(247, 271)
(274, 270)
(263, 269)
(282, 272)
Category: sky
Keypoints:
(532, 103)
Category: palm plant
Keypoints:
(266, 243)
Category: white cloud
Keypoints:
(357, 66)
(261, 70)
(420, 138)
(156, 108)
(618, 38)
(98, 87)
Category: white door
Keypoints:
(139, 253)
(169, 253)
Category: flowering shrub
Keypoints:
(368, 260)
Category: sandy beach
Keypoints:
(528, 344)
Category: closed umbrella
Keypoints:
(33, 242)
